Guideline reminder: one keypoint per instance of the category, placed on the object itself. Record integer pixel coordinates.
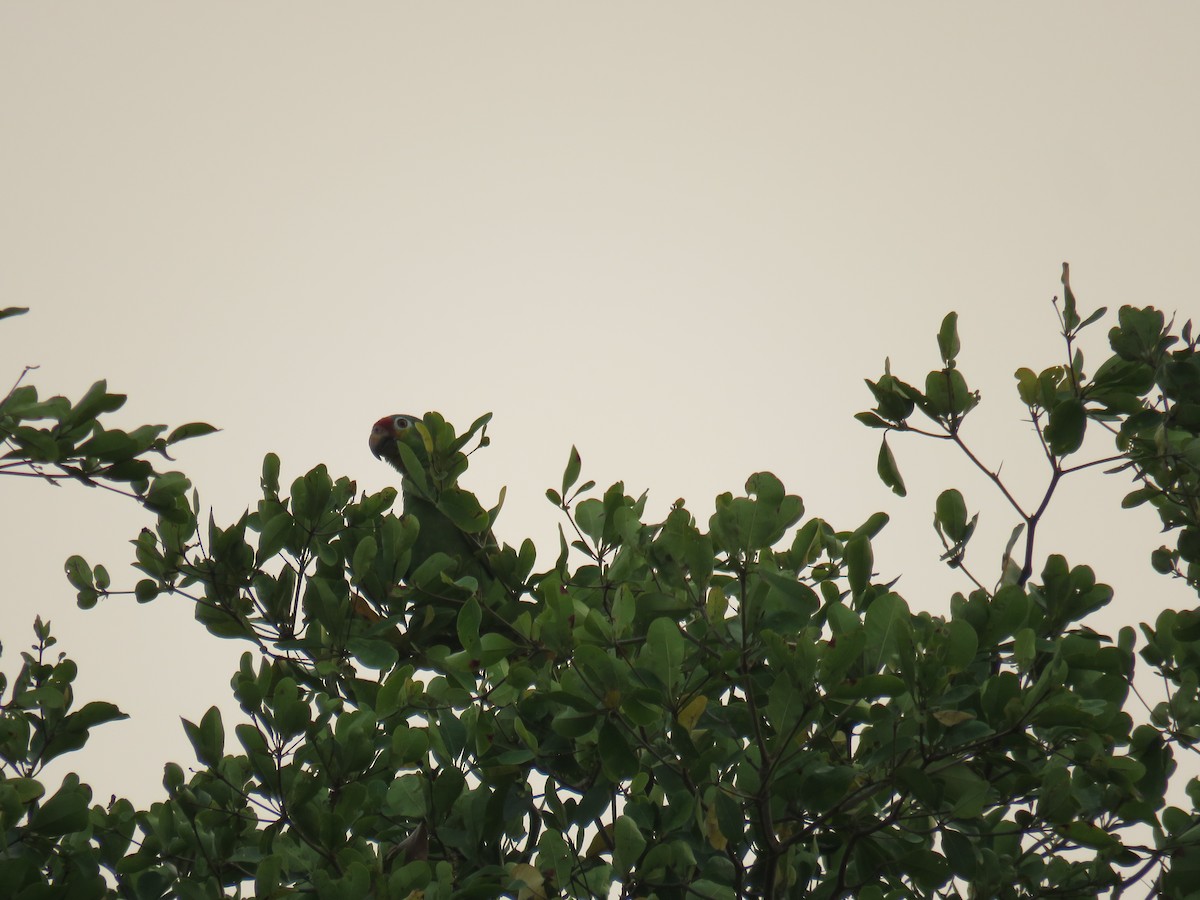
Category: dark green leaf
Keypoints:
(948, 343)
(571, 473)
(464, 510)
(66, 811)
(470, 616)
(629, 844)
(617, 758)
(663, 651)
(860, 562)
(207, 738)
(1068, 421)
(871, 420)
(889, 474)
(93, 713)
(190, 430)
(951, 515)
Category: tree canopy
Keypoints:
(725, 703)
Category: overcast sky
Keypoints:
(677, 235)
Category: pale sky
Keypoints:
(677, 235)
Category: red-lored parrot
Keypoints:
(438, 533)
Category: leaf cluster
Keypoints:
(726, 703)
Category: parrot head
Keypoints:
(386, 432)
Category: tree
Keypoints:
(724, 708)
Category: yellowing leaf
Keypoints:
(531, 880)
(949, 717)
(690, 713)
(716, 604)
(712, 829)
(601, 843)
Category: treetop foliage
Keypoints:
(726, 703)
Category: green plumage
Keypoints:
(455, 559)
(427, 493)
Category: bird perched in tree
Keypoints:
(450, 521)
(396, 440)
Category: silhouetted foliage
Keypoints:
(727, 706)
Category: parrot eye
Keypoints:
(401, 423)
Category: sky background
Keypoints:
(676, 235)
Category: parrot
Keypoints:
(429, 496)
(438, 533)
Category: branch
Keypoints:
(990, 474)
(1095, 462)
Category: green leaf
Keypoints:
(874, 524)
(95, 402)
(950, 515)
(1028, 387)
(145, 590)
(276, 533)
(1024, 648)
(617, 759)
(364, 557)
(964, 791)
(165, 490)
(1070, 316)
(948, 343)
(95, 712)
(1189, 544)
(1068, 421)
(36, 444)
(464, 510)
(190, 430)
(871, 420)
(889, 474)
(19, 401)
(894, 399)
(207, 738)
(1087, 835)
(413, 469)
(1011, 566)
(824, 786)
(629, 845)
(268, 876)
(467, 435)
(406, 796)
(46, 697)
(410, 745)
(108, 446)
(9, 311)
(948, 394)
(270, 475)
(962, 642)
(448, 785)
(662, 653)
(1093, 317)
(571, 473)
(860, 563)
(469, 619)
(887, 628)
(1138, 334)
(374, 653)
(79, 573)
(1163, 561)
(65, 812)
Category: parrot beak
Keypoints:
(379, 442)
